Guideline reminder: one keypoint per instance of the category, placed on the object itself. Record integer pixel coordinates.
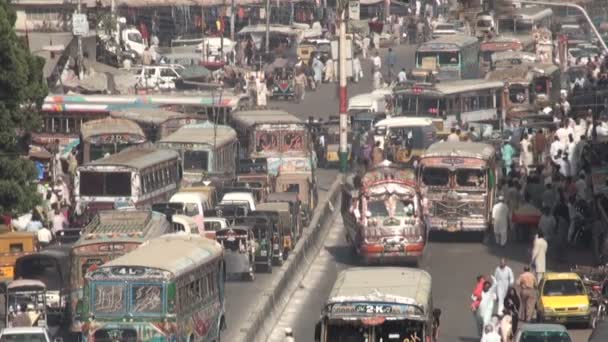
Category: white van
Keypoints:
(158, 76)
(239, 198)
(193, 205)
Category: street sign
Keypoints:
(354, 9)
(80, 25)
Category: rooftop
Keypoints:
(202, 133)
(461, 149)
(136, 158)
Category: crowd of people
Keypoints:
(500, 301)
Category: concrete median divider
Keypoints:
(261, 319)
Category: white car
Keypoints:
(158, 76)
(575, 53)
(444, 29)
(27, 334)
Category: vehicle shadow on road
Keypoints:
(557, 260)
(468, 339)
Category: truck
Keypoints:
(120, 45)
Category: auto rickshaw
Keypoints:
(12, 246)
(330, 154)
(283, 84)
(295, 208)
(305, 187)
(279, 236)
(287, 223)
(264, 256)
(26, 296)
(239, 250)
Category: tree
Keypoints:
(22, 92)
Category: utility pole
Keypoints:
(80, 58)
(232, 21)
(267, 26)
(343, 95)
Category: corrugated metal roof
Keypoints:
(110, 126)
(123, 225)
(203, 133)
(377, 283)
(458, 40)
(252, 117)
(460, 149)
(180, 253)
(137, 158)
(152, 115)
(462, 86)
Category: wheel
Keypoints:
(251, 276)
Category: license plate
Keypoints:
(391, 248)
(452, 228)
(275, 246)
(6, 272)
(263, 253)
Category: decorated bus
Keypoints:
(458, 182)
(179, 297)
(110, 234)
(383, 215)
(379, 304)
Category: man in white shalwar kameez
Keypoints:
(486, 305)
(504, 280)
(500, 221)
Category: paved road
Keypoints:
(241, 296)
(453, 266)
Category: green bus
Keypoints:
(453, 57)
(169, 289)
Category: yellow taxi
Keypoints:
(563, 298)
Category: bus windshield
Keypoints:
(105, 183)
(443, 57)
(433, 176)
(141, 299)
(399, 330)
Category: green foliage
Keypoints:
(22, 91)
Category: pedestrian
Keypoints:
(262, 94)
(377, 62)
(317, 66)
(539, 255)
(289, 335)
(506, 327)
(357, 70)
(59, 221)
(252, 91)
(329, 71)
(547, 224)
(146, 57)
(22, 319)
(300, 83)
(549, 197)
(365, 48)
(378, 82)
(44, 237)
(500, 221)
(391, 60)
(35, 223)
(402, 76)
(507, 153)
(540, 145)
(562, 218)
(475, 300)
(504, 280)
(453, 136)
(489, 334)
(526, 157)
(377, 154)
(527, 285)
(486, 304)
(512, 305)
